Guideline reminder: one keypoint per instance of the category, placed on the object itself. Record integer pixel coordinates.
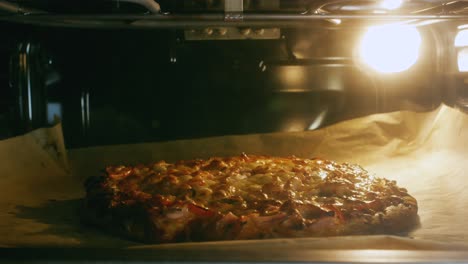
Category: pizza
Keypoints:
(246, 197)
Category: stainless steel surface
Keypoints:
(15, 8)
(284, 83)
(231, 33)
(151, 5)
(9, 7)
(24, 77)
(213, 20)
(233, 10)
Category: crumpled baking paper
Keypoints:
(427, 153)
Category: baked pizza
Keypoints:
(246, 197)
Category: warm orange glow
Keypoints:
(293, 125)
(293, 76)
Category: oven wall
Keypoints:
(134, 85)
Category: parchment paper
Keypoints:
(427, 153)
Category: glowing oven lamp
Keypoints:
(463, 60)
(390, 48)
(461, 40)
(391, 4)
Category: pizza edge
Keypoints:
(136, 224)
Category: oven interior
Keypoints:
(124, 78)
(117, 72)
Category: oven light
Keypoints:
(463, 60)
(390, 48)
(391, 4)
(461, 40)
(335, 21)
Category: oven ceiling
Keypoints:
(215, 6)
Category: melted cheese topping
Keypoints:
(292, 193)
